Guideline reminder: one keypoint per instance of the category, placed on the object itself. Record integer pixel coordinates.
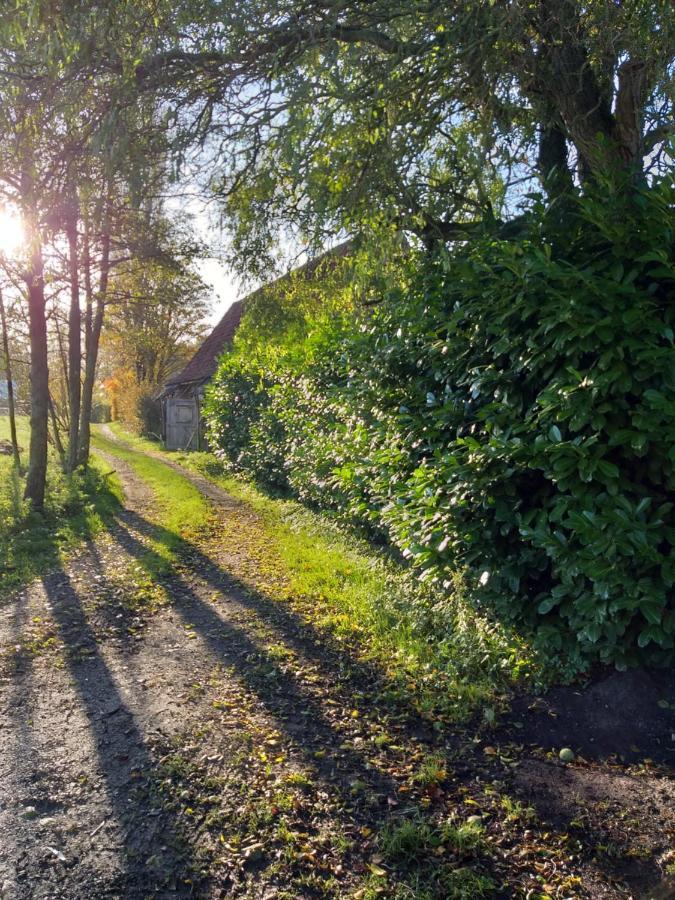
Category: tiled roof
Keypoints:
(204, 363)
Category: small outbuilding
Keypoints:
(183, 394)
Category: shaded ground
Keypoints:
(623, 716)
(196, 738)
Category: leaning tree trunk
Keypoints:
(56, 436)
(39, 374)
(74, 340)
(93, 334)
(10, 385)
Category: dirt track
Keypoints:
(157, 749)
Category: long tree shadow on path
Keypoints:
(19, 753)
(300, 711)
(317, 720)
(347, 674)
(324, 650)
(155, 856)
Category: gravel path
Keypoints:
(95, 699)
(194, 738)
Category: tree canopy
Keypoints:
(425, 116)
(308, 121)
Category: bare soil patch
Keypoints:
(625, 716)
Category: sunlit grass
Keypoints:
(23, 436)
(76, 508)
(179, 509)
(439, 650)
(449, 660)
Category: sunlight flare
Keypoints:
(12, 233)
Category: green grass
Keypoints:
(427, 854)
(23, 435)
(432, 771)
(439, 650)
(453, 660)
(179, 510)
(406, 841)
(76, 508)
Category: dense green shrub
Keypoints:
(101, 412)
(511, 410)
(149, 413)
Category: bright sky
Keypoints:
(225, 288)
(11, 231)
(225, 285)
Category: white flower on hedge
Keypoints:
(484, 578)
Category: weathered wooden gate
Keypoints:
(182, 423)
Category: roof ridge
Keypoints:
(204, 362)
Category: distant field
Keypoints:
(22, 427)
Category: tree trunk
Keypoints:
(56, 437)
(608, 141)
(630, 99)
(63, 357)
(74, 339)
(10, 385)
(94, 336)
(87, 388)
(554, 170)
(39, 370)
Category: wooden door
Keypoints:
(182, 424)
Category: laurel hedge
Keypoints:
(507, 410)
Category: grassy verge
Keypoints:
(435, 649)
(23, 434)
(311, 816)
(76, 508)
(179, 510)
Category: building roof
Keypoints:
(204, 363)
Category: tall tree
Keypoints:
(62, 125)
(10, 383)
(423, 115)
(96, 298)
(32, 162)
(39, 365)
(158, 303)
(74, 329)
